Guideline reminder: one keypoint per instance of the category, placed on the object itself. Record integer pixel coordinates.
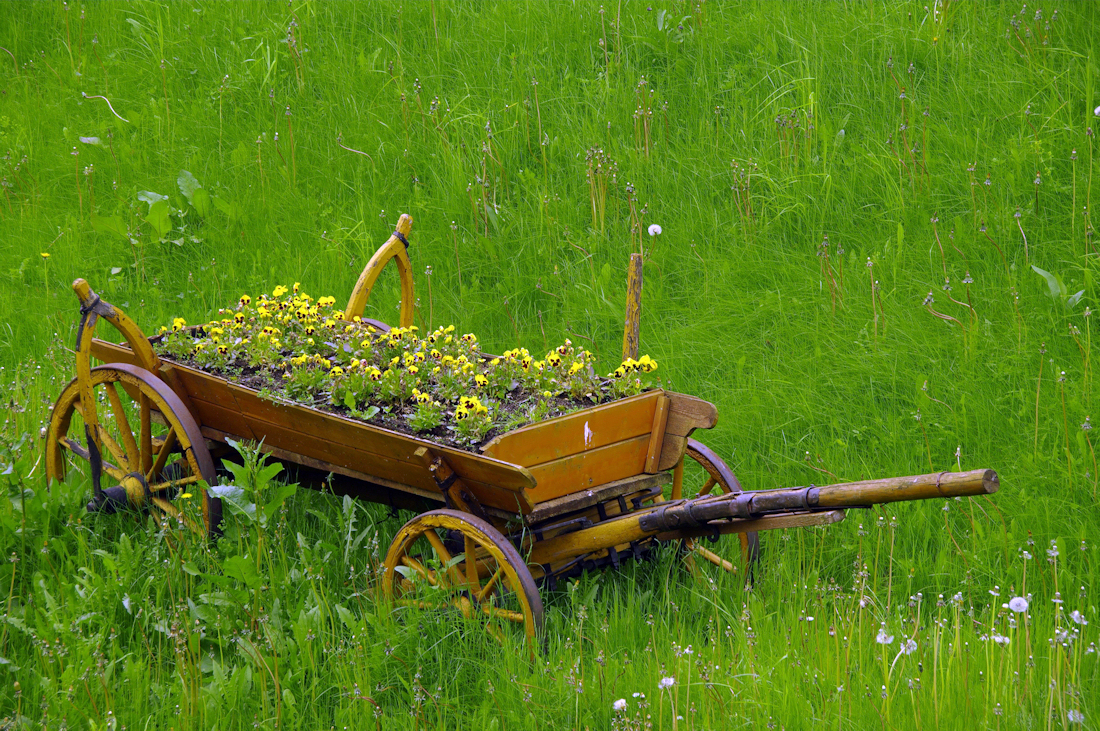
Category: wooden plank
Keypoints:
(288, 456)
(576, 433)
(657, 434)
(370, 488)
(587, 498)
(304, 448)
(588, 469)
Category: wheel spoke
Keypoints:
(472, 579)
(78, 449)
(445, 557)
(133, 457)
(163, 486)
(490, 585)
(166, 506)
(508, 614)
(418, 567)
(112, 446)
(705, 489)
(162, 456)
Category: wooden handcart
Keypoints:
(546, 501)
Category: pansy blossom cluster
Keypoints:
(303, 350)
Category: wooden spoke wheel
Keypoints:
(447, 559)
(150, 452)
(708, 469)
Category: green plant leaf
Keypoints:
(201, 201)
(229, 208)
(347, 617)
(242, 569)
(159, 218)
(188, 184)
(1054, 282)
(109, 225)
(278, 498)
(267, 473)
(150, 197)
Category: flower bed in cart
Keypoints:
(440, 385)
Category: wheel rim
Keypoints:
(152, 448)
(427, 567)
(717, 478)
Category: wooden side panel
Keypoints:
(213, 403)
(588, 469)
(240, 412)
(378, 451)
(685, 415)
(576, 433)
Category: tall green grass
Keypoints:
(749, 133)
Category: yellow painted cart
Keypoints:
(546, 501)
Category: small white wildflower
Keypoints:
(1073, 715)
(909, 647)
(882, 638)
(666, 683)
(1000, 639)
(1077, 617)
(654, 230)
(619, 705)
(1017, 604)
(1096, 112)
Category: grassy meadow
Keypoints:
(876, 258)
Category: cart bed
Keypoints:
(545, 462)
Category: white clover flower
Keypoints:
(654, 230)
(1018, 604)
(619, 705)
(666, 682)
(882, 638)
